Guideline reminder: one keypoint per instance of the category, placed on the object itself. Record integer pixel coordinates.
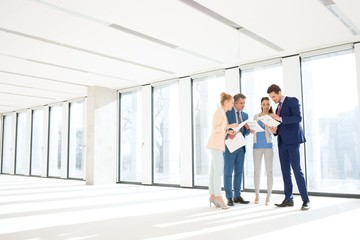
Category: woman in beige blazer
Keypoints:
(216, 144)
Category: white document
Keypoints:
(240, 126)
(237, 142)
(255, 126)
(269, 121)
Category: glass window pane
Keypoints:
(130, 134)
(205, 95)
(331, 119)
(7, 143)
(21, 146)
(55, 133)
(254, 84)
(166, 134)
(37, 141)
(76, 140)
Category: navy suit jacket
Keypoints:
(290, 130)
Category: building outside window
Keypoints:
(37, 141)
(166, 135)
(130, 136)
(205, 100)
(21, 143)
(55, 138)
(7, 143)
(76, 140)
(332, 128)
(254, 84)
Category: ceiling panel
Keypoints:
(52, 50)
(12, 102)
(42, 84)
(53, 73)
(72, 28)
(35, 92)
(27, 48)
(179, 25)
(293, 25)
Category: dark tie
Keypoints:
(238, 115)
(240, 121)
(278, 109)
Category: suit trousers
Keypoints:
(290, 158)
(233, 164)
(216, 172)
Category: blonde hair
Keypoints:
(223, 97)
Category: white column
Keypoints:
(292, 77)
(85, 152)
(64, 140)
(292, 88)
(13, 143)
(101, 136)
(45, 142)
(27, 142)
(186, 160)
(146, 109)
(1, 138)
(357, 64)
(232, 81)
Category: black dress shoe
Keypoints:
(285, 203)
(230, 202)
(240, 200)
(305, 206)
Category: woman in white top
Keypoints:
(216, 144)
(263, 147)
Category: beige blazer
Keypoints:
(218, 132)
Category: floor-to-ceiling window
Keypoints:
(55, 136)
(331, 118)
(166, 161)
(21, 143)
(7, 143)
(130, 136)
(206, 99)
(37, 141)
(76, 139)
(254, 84)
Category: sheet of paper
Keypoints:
(236, 143)
(240, 126)
(255, 126)
(269, 121)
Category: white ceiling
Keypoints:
(50, 51)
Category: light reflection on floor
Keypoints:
(45, 209)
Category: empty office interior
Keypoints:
(123, 93)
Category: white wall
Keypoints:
(232, 80)
(101, 137)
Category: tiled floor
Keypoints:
(46, 209)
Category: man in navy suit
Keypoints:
(234, 162)
(290, 135)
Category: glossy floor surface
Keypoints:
(52, 209)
